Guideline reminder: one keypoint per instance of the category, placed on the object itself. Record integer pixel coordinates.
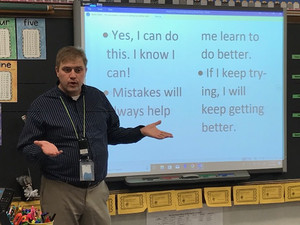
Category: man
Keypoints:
(68, 129)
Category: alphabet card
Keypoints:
(8, 81)
(7, 38)
(31, 38)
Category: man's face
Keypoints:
(71, 75)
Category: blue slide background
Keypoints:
(114, 43)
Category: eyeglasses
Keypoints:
(68, 69)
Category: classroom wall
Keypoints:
(34, 77)
(269, 214)
(37, 76)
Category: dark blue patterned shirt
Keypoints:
(48, 120)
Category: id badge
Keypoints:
(86, 170)
(83, 145)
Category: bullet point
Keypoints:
(105, 35)
(200, 73)
(105, 92)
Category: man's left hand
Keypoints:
(152, 131)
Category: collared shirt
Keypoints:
(48, 120)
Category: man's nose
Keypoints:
(73, 74)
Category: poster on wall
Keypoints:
(203, 216)
(7, 38)
(8, 81)
(31, 38)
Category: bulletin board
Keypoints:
(33, 78)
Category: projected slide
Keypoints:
(215, 79)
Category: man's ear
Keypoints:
(56, 70)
